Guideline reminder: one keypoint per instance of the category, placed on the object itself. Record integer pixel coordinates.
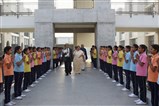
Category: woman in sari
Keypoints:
(78, 60)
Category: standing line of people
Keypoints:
(138, 66)
(25, 68)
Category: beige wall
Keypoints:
(83, 3)
(88, 39)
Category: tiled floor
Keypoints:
(89, 88)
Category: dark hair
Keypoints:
(38, 48)
(156, 47)
(30, 48)
(110, 47)
(136, 46)
(34, 48)
(128, 47)
(120, 46)
(6, 49)
(24, 51)
(116, 47)
(143, 47)
(16, 49)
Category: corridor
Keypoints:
(91, 87)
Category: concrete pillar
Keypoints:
(21, 40)
(156, 37)
(102, 4)
(127, 39)
(44, 34)
(45, 4)
(105, 34)
(75, 39)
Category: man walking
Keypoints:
(67, 58)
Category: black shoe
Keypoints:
(83, 69)
(70, 73)
(66, 74)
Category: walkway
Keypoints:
(89, 88)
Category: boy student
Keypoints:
(39, 60)
(126, 67)
(105, 54)
(109, 62)
(141, 73)
(27, 70)
(134, 52)
(114, 63)
(120, 62)
(153, 74)
(101, 52)
(8, 74)
(1, 75)
(18, 72)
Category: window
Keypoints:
(26, 34)
(15, 41)
(122, 43)
(26, 43)
(63, 38)
(132, 41)
(150, 41)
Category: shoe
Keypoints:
(108, 77)
(18, 98)
(9, 104)
(36, 82)
(100, 70)
(27, 90)
(94, 68)
(125, 89)
(40, 78)
(43, 76)
(12, 102)
(133, 95)
(23, 95)
(32, 85)
(119, 85)
(138, 100)
(114, 81)
(141, 103)
(66, 74)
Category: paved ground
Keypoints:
(89, 88)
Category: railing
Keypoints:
(130, 8)
(136, 8)
(18, 8)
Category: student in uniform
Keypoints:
(114, 63)
(134, 52)
(101, 52)
(1, 75)
(32, 67)
(39, 59)
(120, 61)
(126, 67)
(158, 80)
(48, 55)
(94, 57)
(35, 65)
(109, 62)
(55, 58)
(141, 73)
(27, 70)
(18, 72)
(153, 73)
(105, 54)
(8, 74)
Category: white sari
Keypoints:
(78, 61)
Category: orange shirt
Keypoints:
(1, 77)
(8, 59)
(47, 55)
(153, 76)
(39, 58)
